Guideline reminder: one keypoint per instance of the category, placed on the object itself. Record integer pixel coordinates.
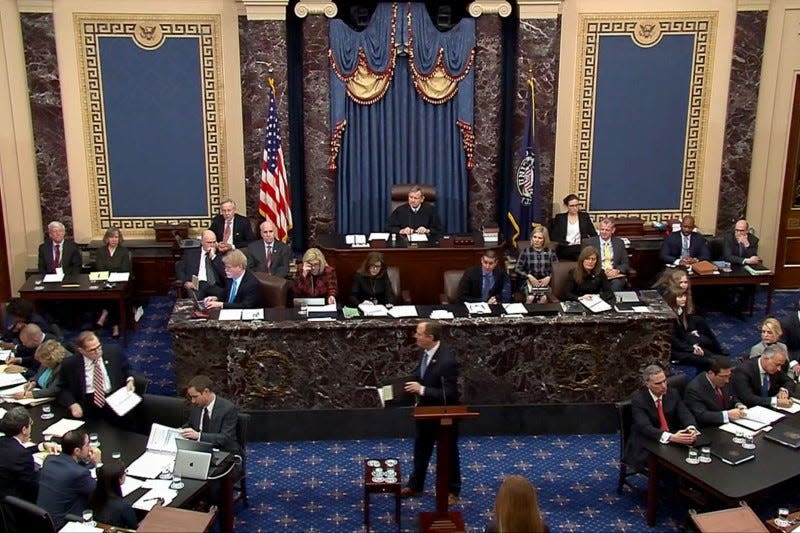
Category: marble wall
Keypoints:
(748, 50)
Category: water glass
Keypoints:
(749, 444)
(739, 438)
(692, 458)
(705, 454)
(47, 412)
(783, 518)
(116, 455)
(88, 516)
(94, 440)
(177, 482)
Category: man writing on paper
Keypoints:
(762, 381)
(710, 396)
(436, 384)
(658, 414)
(416, 217)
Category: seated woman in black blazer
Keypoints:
(106, 501)
(371, 284)
(569, 229)
(693, 342)
(588, 278)
(113, 257)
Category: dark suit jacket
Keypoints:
(620, 259)
(189, 266)
(119, 262)
(645, 423)
(442, 372)
(117, 512)
(64, 487)
(425, 216)
(471, 284)
(673, 244)
(18, 477)
(791, 334)
(734, 253)
(70, 257)
(281, 257)
(747, 384)
(72, 380)
(248, 295)
(242, 231)
(221, 432)
(558, 227)
(702, 401)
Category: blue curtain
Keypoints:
(400, 138)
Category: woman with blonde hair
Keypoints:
(44, 383)
(516, 508)
(672, 279)
(771, 331)
(316, 278)
(535, 266)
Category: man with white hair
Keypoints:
(57, 254)
(233, 231)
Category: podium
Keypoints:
(445, 415)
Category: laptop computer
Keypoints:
(192, 464)
(217, 456)
(299, 302)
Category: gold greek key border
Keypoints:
(702, 26)
(206, 29)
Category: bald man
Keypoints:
(205, 263)
(685, 247)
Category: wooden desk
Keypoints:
(170, 520)
(737, 276)
(421, 267)
(91, 291)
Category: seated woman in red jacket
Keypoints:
(693, 342)
(315, 278)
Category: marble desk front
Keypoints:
(287, 362)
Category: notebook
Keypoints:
(786, 435)
(732, 453)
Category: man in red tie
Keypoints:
(659, 414)
(268, 254)
(58, 253)
(232, 230)
(710, 395)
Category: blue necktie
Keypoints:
(486, 287)
(765, 385)
(424, 365)
(232, 295)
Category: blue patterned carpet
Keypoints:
(317, 486)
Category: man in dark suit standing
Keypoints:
(57, 253)
(206, 264)
(658, 414)
(436, 384)
(65, 481)
(268, 254)
(242, 289)
(88, 379)
(710, 396)
(762, 381)
(212, 418)
(613, 256)
(415, 217)
(685, 247)
(18, 477)
(233, 231)
(486, 282)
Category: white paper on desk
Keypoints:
(403, 311)
(626, 296)
(79, 527)
(62, 426)
(252, 314)
(441, 314)
(130, 485)
(119, 277)
(515, 309)
(373, 310)
(478, 308)
(355, 239)
(7, 393)
(101, 275)
(230, 314)
(159, 484)
(123, 401)
(375, 236)
(641, 309)
(594, 303)
(795, 407)
(146, 502)
(162, 438)
(2, 412)
(417, 237)
(53, 278)
(763, 415)
(750, 424)
(4, 354)
(6, 380)
(151, 464)
(735, 428)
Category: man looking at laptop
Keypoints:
(205, 264)
(211, 419)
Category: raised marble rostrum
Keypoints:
(285, 363)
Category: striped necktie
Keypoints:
(99, 385)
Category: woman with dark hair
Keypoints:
(588, 278)
(371, 284)
(516, 508)
(106, 501)
(535, 266)
(113, 257)
(693, 342)
(568, 229)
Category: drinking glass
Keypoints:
(749, 444)
(177, 482)
(692, 458)
(47, 412)
(94, 440)
(705, 454)
(739, 438)
(88, 516)
(783, 518)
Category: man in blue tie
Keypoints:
(242, 290)
(763, 381)
(685, 247)
(436, 384)
(486, 282)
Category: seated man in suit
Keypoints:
(20, 313)
(740, 247)
(65, 481)
(416, 217)
(762, 381)
(710, 397)
(233, 231)
(87, 379)
(268, 254)
(658, 414)
(206, 264)
(18, 476)
(486, 282)
(790, 326)
(57, 254)
(212, 418)
(685, 247)
(31, 337)
(242, 289)
(613, 256)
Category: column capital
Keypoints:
(489, 7)
(315, 7)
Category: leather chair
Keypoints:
(558, 281)
(399, 194)
(452, 278)
(274, 289)
(400, 296)
(242, 421)
(169, 411)
(21, 515)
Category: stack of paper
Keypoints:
(403, 311)
(478, 308)
(515, 309)
(373, 309)
(123, 401)
(62, 426)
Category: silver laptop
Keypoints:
(192, 465)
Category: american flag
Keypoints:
(273, 201)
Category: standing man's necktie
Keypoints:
(269, 259)
(423, 365)
(662, 420)
(234, 287)
(206, 420)
(765, 385)
(57, 257)
(227, 233)
(99, 385)
(606, 255)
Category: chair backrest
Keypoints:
(274, 289)
(394, 277)
(400, 194)
(242, 421)
(558, 279)
(452, 278)
(625, 420)
(21, 515)
(677, 382)
(167, 410)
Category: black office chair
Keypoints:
(21, 515)
(140, 383)
(169, 411)
(678, 383)
(625, 419)
(243, 420)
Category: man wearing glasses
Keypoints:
(741, 248)
(212, 418)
